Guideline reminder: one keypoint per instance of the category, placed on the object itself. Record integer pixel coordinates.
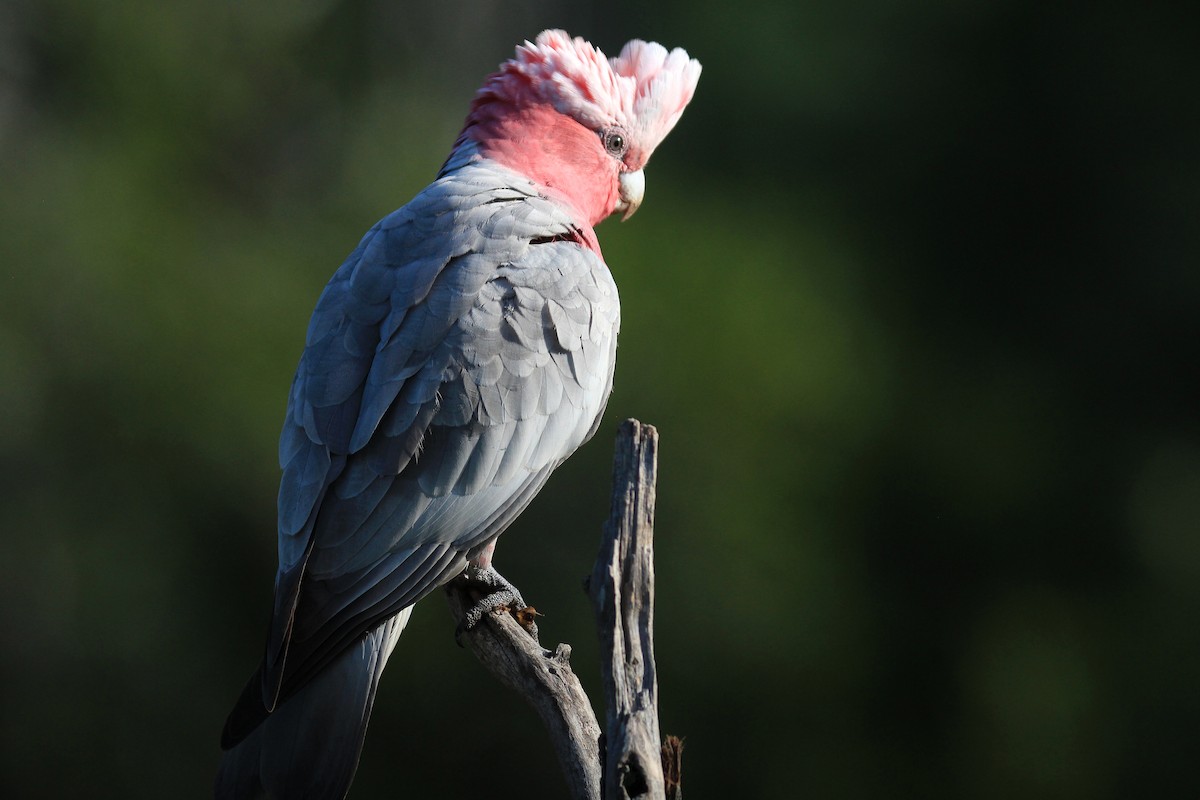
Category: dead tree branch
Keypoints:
(621, 587)
(622, 591)
(546, 681)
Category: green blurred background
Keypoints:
(913, 302)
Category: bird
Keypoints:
(463, 350)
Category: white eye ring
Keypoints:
(614, 141)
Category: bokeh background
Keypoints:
(913, 302)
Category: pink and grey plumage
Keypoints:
(463, 351)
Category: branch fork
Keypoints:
(626, 762)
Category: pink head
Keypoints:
(580, 124)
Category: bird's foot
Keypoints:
(498, 594)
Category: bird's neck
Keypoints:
(560, 155)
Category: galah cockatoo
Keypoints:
(463, 351)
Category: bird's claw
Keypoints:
(503, 596)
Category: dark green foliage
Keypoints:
(913, 301)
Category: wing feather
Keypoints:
(450, 365)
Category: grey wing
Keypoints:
(407, 449)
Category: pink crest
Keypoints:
(644, 89)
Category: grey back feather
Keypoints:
(462, 351)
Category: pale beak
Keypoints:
(632, 186)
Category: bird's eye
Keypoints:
(614, 142)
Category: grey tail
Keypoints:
(308, 747)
